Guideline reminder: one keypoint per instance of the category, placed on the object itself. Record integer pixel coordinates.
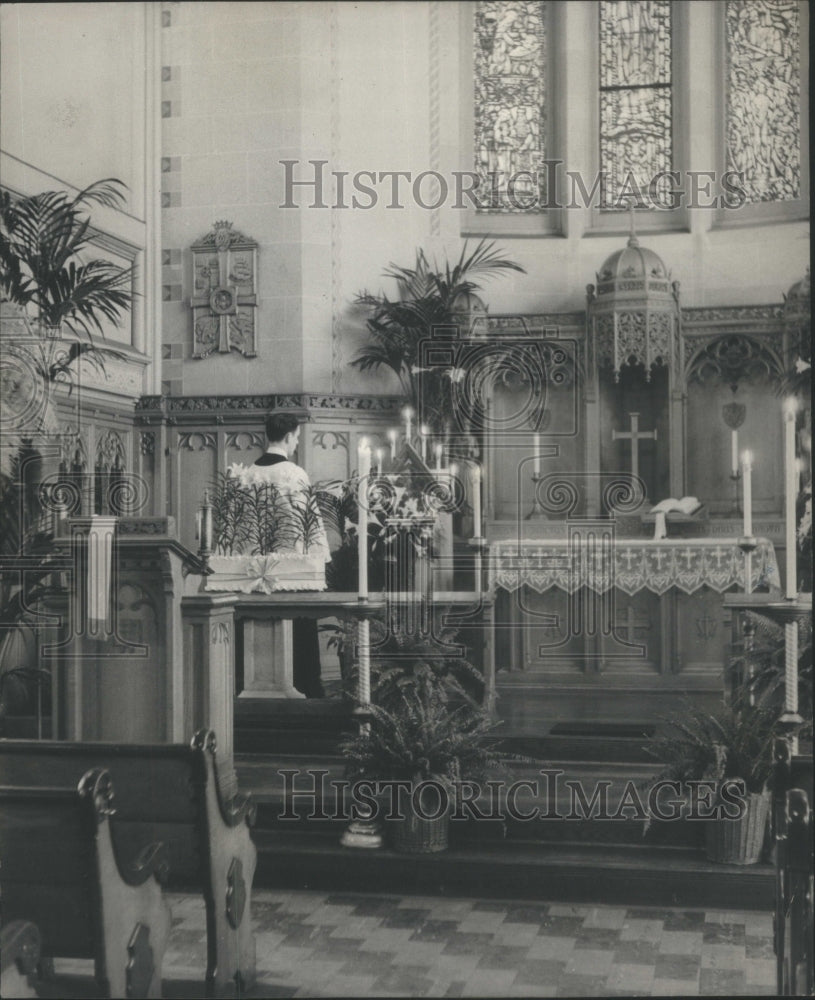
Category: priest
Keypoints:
(277, 468)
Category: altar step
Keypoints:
(603, 861)
(316, 726)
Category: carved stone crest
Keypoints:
(224, 299)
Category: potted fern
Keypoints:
(421, 739)
(732, 743)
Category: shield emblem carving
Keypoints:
(734, 414)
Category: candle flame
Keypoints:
(453, 469)
(407, 411)
(790, 406)
(363, 444)
(747, 458)
(392, 434)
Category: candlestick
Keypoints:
(392, 439)
(407, 413)
(790, 496)
(424, 432)
(536, 444)
(734, 452)
(791, 667)
(747, 481)
(475, 485)
(439, 449)
(379, 454)
(364, 467)
(206, 524)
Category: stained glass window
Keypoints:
(763, 97)
(635, 103)
(510, 104)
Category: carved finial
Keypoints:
(632, 238)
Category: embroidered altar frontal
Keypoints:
(630, 565)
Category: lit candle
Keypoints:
(475, 485)
(439, 451)
(392, 439)
(734, 453)
(364, 467)
(379, 454)
(790, 496)
(536, 444)
(747, 486)
(407, 413)
(424, 432)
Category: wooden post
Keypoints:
(209, 673)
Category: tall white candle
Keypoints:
(392, 438)
(439, 450)
(536, 446)
(407, 413)
(475, 485)
(747, 484)
(364, 467)
(790, 496)
(379, 455)
(424, 433)
(734, 452)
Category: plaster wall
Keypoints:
(379, 87)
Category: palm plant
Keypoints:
(429, 297)
(43, 240)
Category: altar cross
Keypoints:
(635, 435)
(631, 623)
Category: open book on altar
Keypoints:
(687, 506)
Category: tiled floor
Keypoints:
(319, 945)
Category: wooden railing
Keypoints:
(792, 834)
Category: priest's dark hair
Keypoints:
(278, 425)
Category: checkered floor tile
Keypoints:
(312, 944)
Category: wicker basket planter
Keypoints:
(415, 835)
(741, 841)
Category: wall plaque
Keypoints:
(224, 299)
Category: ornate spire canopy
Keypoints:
(633, 313)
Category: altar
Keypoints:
(592, 627)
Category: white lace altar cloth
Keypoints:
(266, 574)
(630, 565)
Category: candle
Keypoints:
(790, 496)
(379, 455)
(206, 524)
(536, 444)
(734, 453)
(198, 525)
(364, 467)
(439, 451)
(475, 484)
(392, 439)
(407, 413)
(424, 432)
(747, 486)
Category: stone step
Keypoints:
(618, 875)
(554, 815)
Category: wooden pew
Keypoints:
(19, 958)
(62, 871)
(792, 836)
(170, 793)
